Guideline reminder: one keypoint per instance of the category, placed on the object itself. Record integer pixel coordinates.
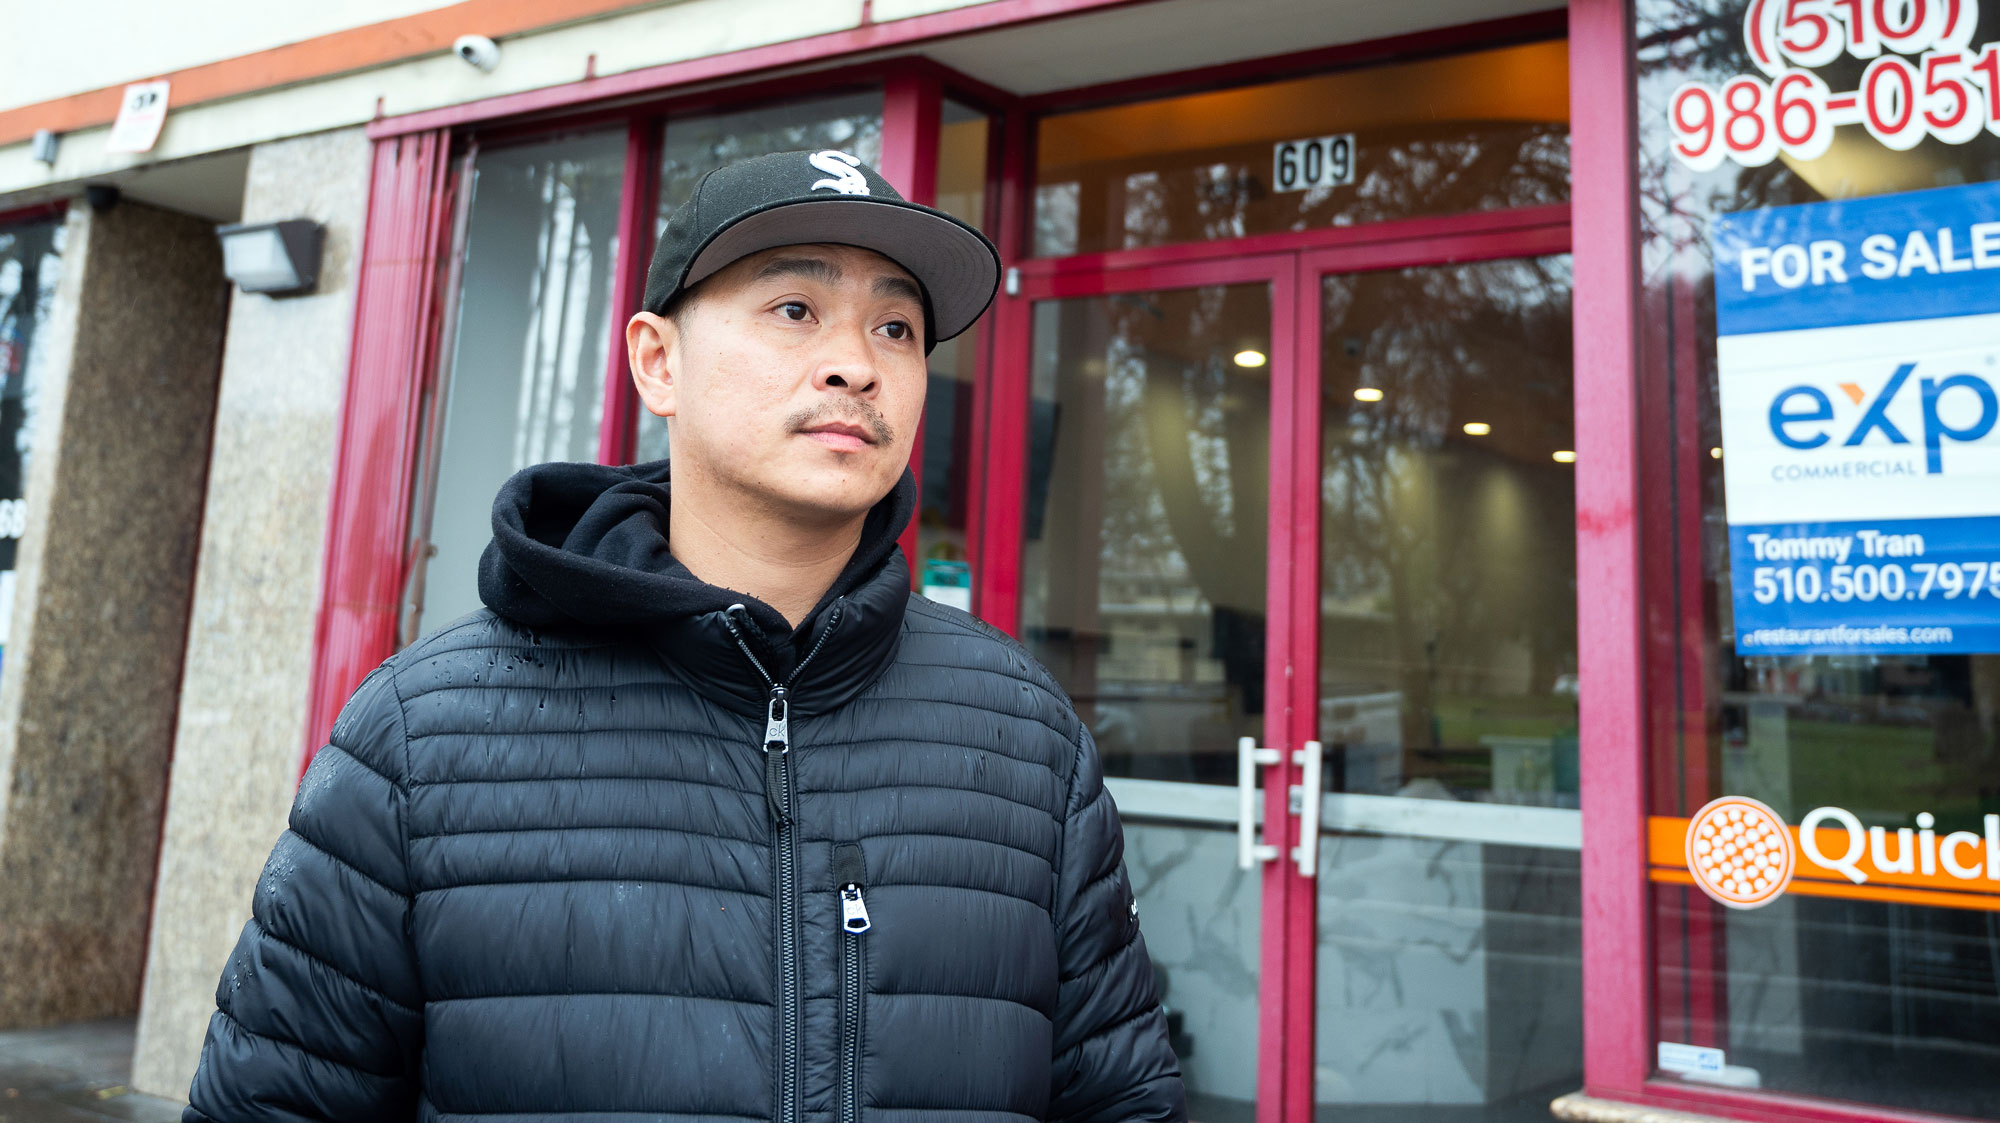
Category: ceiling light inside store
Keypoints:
(1250, 358)
(1477, 428)
(279, 258)
(1564, 456)
(1715, 453)
(1368, 394)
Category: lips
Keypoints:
(839, 430)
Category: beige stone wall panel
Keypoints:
(256, 592)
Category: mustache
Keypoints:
(851, 411)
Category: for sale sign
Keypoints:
(1859, 367)
(1924, 78)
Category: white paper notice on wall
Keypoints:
(140, 116)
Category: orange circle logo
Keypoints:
(1739, 852)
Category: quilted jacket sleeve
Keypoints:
(319, 1010)
(1112, 1060)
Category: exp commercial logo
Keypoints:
(1801, 416)
(1742, 854)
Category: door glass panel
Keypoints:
(1470, 132)
(1449, 960)
(526, 381)
(1142, 590)
(696, 145)
(1142, 569)
(948, 444)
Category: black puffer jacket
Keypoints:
(547, 868)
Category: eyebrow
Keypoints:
(810, 268)
(896, 285)
(827, 273)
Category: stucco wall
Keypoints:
(155, 38)
(249, 640)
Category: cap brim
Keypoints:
(954, 263)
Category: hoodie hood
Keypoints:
(585, 545)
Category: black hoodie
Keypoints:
(586, 545)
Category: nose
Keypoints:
(848, 364)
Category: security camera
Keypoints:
(478, 50)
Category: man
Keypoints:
(706, 816)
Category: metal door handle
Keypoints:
(1251, 850)
(1307, 800)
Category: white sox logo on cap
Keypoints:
(841, 167)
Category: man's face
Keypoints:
(795, 379)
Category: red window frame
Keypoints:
(404, 284)
(33, 212)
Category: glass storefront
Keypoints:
(1879, 984)
(30, 260)
(1394, 579)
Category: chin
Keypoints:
(838, 499)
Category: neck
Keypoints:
(786, 563)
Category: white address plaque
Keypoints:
(1320, 161)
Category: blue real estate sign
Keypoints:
(1859, 361)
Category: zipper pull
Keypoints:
(850, 871)
(778, 723)
(777, 745)
(853, 911)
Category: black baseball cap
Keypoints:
(796, 198)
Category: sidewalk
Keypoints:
(74, 1074)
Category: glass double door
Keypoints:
(1298, 539)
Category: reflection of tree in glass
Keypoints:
(1409, 170)
(1683, 41)
(563, 352)
(695, 146)
(1459, 547)
(1186, 451)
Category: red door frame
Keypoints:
(394, 346)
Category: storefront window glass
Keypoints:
(695, 146)
(948, 443)
(1817, 640)
(1472, 132)
(534, 317)
(30, 257)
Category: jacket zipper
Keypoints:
(778, 797)
(850, 872)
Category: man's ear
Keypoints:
(653, 347)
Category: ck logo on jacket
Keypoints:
(624, 844)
